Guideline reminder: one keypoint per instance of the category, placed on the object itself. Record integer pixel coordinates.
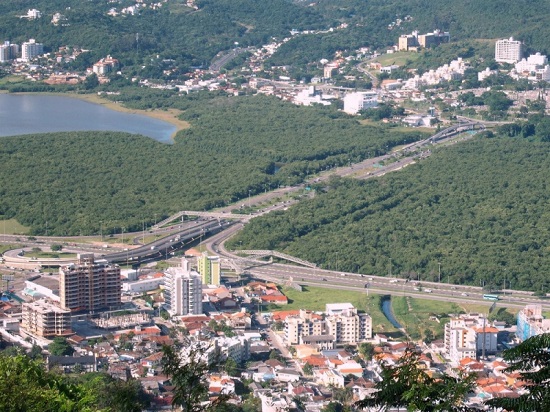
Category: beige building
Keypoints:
(414, 41)
(89, 284)
(342, 324)
(306, 323)
(346, 325)
(45, 319)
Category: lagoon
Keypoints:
(22, 114)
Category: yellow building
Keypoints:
(209, 269)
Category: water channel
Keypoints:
(388, 313)
(22, 114)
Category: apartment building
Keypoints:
(355, 102)
(183, 290)
(346, 325)
(45, 319)
(530, 322)
(105, 65)
(209, 269)
(414, 41)
(342, 324)
(31, 49)
(89, 284)
(306, 323)
(508, 51)
(468, 336)
(8, 51)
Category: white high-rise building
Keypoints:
(355, 102)
(30, 49)
(508, 51)
(183, 290)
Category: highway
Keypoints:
(393, 286)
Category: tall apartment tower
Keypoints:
(508, 51)
(31, 49)
(183, 290)
(209, 269)
(8, 52)
(89, 284)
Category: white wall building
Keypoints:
(468, 336)
(143, 285)
(531, 64)
(355, 102)
(183, 290)
(31, 49)
(508, 51)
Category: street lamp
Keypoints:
(439, 263)
(249, 204)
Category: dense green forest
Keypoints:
(478, 208)
(188, 37)
(179, 36)
(67, 183)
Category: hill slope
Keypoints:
(479, 208)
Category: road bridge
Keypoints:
(215, 215)
(279, 255)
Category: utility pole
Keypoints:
(439, 263)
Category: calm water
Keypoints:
(29, 114)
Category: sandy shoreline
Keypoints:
(168, 115)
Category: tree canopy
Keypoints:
(67, 183)
(477, 208)
(531, 359)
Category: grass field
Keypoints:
(313, 298)
(42, 254)
(13, 227)
(3, 248)
(399, 58)
(415, 315)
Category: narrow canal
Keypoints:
(388, 313)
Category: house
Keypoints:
(287, 375)
(72, 364)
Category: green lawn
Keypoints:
(54, 255)
(414, 314)
(12, 227)
(3, 248)
(399, 58)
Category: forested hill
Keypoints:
(67, 183)
(189, 36)
(481, 209)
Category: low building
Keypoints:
(45, 319)
(73, 364)
(42, 287)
